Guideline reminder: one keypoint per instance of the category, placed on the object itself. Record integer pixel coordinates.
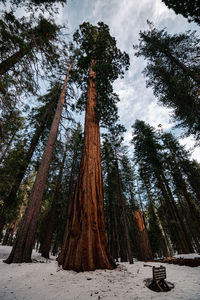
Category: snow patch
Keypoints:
(41, 281)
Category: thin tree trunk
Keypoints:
(181, 241)
(124, 216)
(7, 147)
(11, 61)
(46, 243)
(22, 249)
(193, 234)
(183, 232)
(194, 185)
(85, 247)
(11, 197)
(194, 76)
(167, 251)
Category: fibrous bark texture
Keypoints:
(143, 245)
(85, 247)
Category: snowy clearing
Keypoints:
(44, 281)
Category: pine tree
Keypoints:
(11, 122)
(148, 152)
(41, 119)
(99, 64)
(48, 5)
(22, 249)
(52, 214)
(176, 158)
(173, 73)
(144, 251)
(188, 9)
(116, 202)
(29, 48)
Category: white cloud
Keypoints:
(126, 18)
(189, 144)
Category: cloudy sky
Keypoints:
(126, 18)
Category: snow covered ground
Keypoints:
(45, 281)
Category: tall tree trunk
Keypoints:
(22, 249)
(166, 249)
(183, 231)
(194, 184)
(85, 247)
(123, 214)
(12, 60)
(46, 243)
(143, 245)
(193, 233)
(11, 197)
(186, 70)
(177, 229)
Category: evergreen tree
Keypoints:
(30, 50)
(11, 123)
(144, 251)
(99, 63)
(41, 120)
(173, 72)
(46, 246)
(48, 5)
(148, 152)
(22, 248)
(189, 9)
(176, 159)
(117, 210)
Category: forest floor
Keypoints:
(44, 280)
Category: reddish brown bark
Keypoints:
(22, 249)
(46, 243)
(85, 247)
(143, 245)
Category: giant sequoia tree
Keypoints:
(99, 64)
(174, 74)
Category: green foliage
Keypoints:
(162, 166)
(11, 122)
(95, 43)
(30, 5)
(173, 73)
(154, 233)
(189, 9)
(31, 49)
(147, 148)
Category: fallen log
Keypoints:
(190, 262)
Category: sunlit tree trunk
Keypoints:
(85, 247)
(143, 245)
